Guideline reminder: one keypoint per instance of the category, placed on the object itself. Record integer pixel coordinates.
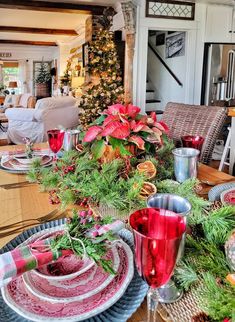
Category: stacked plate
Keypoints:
(20, 162)
(73, 290)
(224, 192)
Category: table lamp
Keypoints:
(12, 85)
(76, 84)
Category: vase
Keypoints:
(111, 154)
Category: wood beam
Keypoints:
(52, 6)
(46, 31)
(28, 42)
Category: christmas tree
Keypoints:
(103, 64)
(43, 74)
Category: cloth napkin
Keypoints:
(34, 255)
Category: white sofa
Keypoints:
(49, 113)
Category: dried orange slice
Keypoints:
(147, 190)
(148, 169)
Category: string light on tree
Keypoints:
(103, 64)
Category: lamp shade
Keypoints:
(12, 85)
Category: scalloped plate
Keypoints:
(121, 311)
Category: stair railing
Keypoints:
(164, 64)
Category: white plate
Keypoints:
(12, 164)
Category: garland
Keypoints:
(204, 264)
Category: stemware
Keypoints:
(169, 293)
(192, 141)
(157, 234)
(55, 139)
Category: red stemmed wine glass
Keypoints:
(55, 139)
(192, 141)
(157, 235)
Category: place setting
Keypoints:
(103, 286)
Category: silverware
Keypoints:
(16, 185)
(214, 183)
(39, 220)
(14, 230)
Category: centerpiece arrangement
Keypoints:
(118, 164)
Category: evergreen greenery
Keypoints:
(43, 74)
(77, 233)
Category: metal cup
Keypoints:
(185, 163)
(71, 139)
(169, 293)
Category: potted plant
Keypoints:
(42, 81)
(121, 131)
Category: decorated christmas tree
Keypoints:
(104, 66)
(43, 74)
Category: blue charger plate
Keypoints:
(215, 192)
(119, 312)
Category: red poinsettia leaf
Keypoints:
(122, 131)
(157, 131)
(160, 127)
(137, 126)
(110, 118)
(153, 116)
(163, 124)
(132, 110)
(123, 118)
(138, 141)
(116, 108)
(110, 127)
(92, 133)
(147, 129)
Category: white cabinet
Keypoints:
(220, 26)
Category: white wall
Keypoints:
(27, 55)
(192, 71)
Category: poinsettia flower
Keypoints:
(137, 126)
(152, 120)
(132, 110)
(115, 109)
(121, 132)
(110, 127)
(92, 133)
(110, 118)
(138, 141)
(163, 124)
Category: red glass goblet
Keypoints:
(192, 141)
(157, 235)
(55, 139)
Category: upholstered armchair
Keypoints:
(206, 121)
(49, 113)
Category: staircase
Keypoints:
(152, 104)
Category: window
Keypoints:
(10, 73)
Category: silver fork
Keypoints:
(39, 220)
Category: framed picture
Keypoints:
(160, 39)
(175, 45)
(85, 54)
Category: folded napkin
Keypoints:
(39, 253)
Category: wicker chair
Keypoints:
(206, 121)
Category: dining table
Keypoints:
(27, 202)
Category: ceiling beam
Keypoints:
(52, 6)
(28, 42)
(46, 31)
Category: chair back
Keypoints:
(206, 121)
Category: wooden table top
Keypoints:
(28, 202)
